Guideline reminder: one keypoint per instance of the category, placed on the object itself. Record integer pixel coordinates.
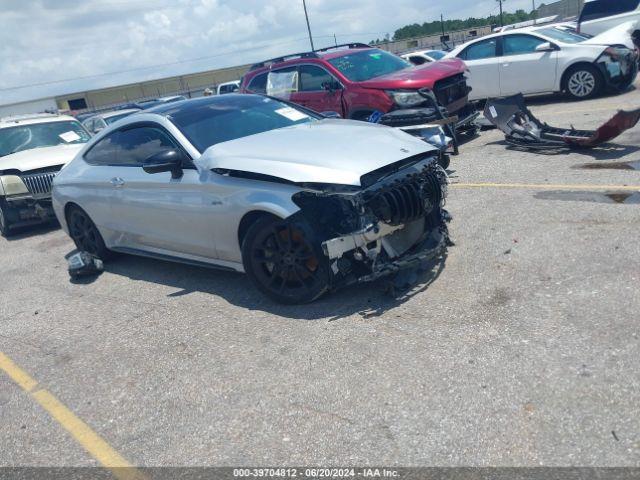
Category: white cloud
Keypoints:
(48, 40)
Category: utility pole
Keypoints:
(442, 24)
(306, 15)
(535, 14)
(335, 40)
(501, 15)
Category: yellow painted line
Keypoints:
(16, 374)
(543, 186)
(93, 443)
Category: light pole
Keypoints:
(534, 13)
(501, 17)
(306, 15)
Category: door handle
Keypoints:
(117, 182)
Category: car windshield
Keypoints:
(115, 118)
(367, 64)
(211, 120)
(436, 54)
(561, 35)
(38, 135)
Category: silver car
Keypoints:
(301, 203)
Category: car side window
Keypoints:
(88, 124)
(258, 84)
(312, 78)
(129, 147)
(480, 50)
(521, 44)
(417, 60)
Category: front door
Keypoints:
(523, 69)
(319, 90)
(153, 211)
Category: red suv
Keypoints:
(364, 83)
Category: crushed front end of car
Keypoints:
(618, 66)
(27, 196)
(394, 222)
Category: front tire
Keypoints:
(85, 234)
(283, 260)
(5, 221)
(583, 82)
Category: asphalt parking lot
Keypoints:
(521, 349)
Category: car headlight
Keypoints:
(12, 185)
(406, 99)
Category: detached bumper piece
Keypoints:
(523, 130)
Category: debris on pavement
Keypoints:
(83, 264)
(523, 129)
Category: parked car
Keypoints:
(598, 16)
(33, 148)
(228, 87)
(424, 56)
(358, 82)
(99, 121)
(301, 203)
(158, 101)
(544, 60)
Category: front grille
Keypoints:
(450, 89)
(409, 199)
(39, 184)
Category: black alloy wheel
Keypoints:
(283, 262)
(85, 234)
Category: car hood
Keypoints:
(40, 157)
(418, 77)
(619, 35)
(326, 151)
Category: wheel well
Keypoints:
(248, 220)
(68, 207)
(565, 75)
(360, 114)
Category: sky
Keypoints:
(100, 43)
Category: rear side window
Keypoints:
(312, 78)
(607, 8)
(480, 50)
(521, 44)
(129, 147)
(258, 84)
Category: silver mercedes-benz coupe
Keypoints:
(302, 203)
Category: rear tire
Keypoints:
(5, 221)
(284, 262)
(583, 82)
(85, 234)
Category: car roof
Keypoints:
(308, 57)
(114, 113)
(32, 119)
(515, 31)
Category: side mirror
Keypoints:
(166, 161)
(547, 47)
(331, 86)
(97, 130)
(331, 115)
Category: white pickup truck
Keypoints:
(33, 148)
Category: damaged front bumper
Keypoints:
(619, 67)
(401, 223)
(523, 129)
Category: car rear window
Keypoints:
(606, 8)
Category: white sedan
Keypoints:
(546, 60)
